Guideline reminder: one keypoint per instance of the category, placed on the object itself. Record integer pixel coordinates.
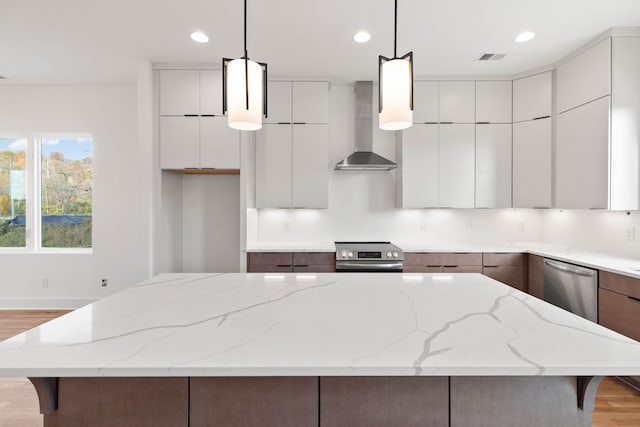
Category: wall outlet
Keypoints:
(630, 234)
(44, 282)
(521, 226)
(285, 226)
(424, 225)
(104, 283)
(470, 225)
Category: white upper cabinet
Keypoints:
(179, 92)
(420, 166)
(425, 102)
(532, 97)
(310, 173)
(278, 102)
(532, 166)
(585, 77)
(456, 166)
(582, 156)
(219, 144)
(493, 101)
(457, 102)
(211, 92)
(273, 166)
(179, 142)
(493, 165)
(310, 102)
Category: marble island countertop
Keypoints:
(319, 324)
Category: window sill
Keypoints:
(47, 251)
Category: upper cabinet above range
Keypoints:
(585, 77)
(297, 102)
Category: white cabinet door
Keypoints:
(273, 166)
(493, 166)
(532, 164)
(457, 102)
(179, 92)
(420, 166)
(582, 156)
(310, 176)
(532, 97)
(311, 102)
(278, 102)
(584, 78)
(211, 92)
(425, 102)
(456, 161)
(219, 144)
(179, 142)
(493, 101)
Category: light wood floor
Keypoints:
(616, 404)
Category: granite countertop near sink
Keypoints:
(327, 324)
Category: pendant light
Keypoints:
(395, 87)
(244, 89)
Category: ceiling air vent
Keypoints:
(491, 56)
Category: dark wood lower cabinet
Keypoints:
(536, 276)
(531, 401)
(508, 268)
(291, 262)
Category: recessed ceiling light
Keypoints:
(362, 37)
(199, 37)
(525, 37)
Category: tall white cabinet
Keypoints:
(532, 141)
(292, 148)
(193, 132)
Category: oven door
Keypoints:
(369, 266)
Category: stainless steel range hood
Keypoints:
(364, 159)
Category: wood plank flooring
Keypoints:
(616, 404)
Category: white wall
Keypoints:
(121, 197)
(595, 230)
(362, 204)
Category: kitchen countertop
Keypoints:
(322, 324)
(615, 264)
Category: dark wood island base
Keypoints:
(530, 401)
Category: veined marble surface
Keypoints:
(319, 324)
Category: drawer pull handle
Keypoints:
(633, 298)
(451, 266)
(490, 266)
(301, 265)
(284, 265)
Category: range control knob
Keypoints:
(343, 254)
(350, 254)
(388, 254)
(395, 254)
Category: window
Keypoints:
(46, 192)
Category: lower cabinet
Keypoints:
(536, 276)
(508, 268)
(619, 306)
(442, 262)
(287, 262)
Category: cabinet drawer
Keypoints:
(421, 269)
(461, 269)
(314, 268)
(274, 261)
(507, 274)
(536, 276)
(317, 258)
(492, 259)
(621, 284)
(440, 259)
(620, 313)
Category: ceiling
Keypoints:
(102, 42)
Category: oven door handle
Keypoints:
(368, 265)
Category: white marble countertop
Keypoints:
(319, 324)
(292, 247)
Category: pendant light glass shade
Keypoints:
(238, 115)
(396, 112)
(244, 89)
(395, 86)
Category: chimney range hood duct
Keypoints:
(364, 159)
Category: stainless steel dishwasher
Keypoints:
(571, 287)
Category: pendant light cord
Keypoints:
(395, 30)
(246, 57)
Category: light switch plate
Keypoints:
(630, 234)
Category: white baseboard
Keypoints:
(44, 303)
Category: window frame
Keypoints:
(33, 191)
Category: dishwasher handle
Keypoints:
(570, 269)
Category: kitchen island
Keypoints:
(331, 349)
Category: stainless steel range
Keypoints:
(368, 256)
